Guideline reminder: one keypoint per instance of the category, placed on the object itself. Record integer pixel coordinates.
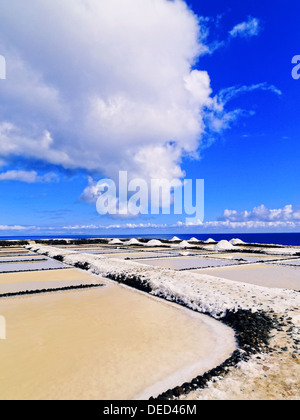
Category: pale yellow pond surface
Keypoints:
(106, 343)
(266, 275)
(11, 250)
(20, 257)
(6, 254)
(258, 257)
(16, 282)
(25, 261)
(182, 263)
(139, 255)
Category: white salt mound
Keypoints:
(184, 244)
(193, 240)
(115, 242)
(210, 241)
(154, 242)
(133, 241)
(223, 246)
(236, 241)
(174, 239)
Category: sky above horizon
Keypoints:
(160, 89)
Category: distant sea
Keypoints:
(261, 238)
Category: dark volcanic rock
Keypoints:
(252, 333)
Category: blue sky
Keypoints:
(198, 92)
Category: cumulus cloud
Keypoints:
(118, 85)
(110, 85)
(91, 193)
(18, 141)
(107, 85)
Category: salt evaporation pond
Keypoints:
(99, 250)
(266, 275)
(41, 280)
(247, 257)
(30, 266)
(109, 343)
(27, 259)
(142, 255)
(188, 263)
(15, 254)
(289, 262)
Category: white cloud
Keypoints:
(259, 218)
(14, 228)
(115, 93)
(118, 85)
(213, 226)
(249, 225)
(246, 29)
(17, 141)
(29, 177)
(90, 193)
(218, 119)
(250, 28)
(225, 95)
(264, 214)
(108, 85)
